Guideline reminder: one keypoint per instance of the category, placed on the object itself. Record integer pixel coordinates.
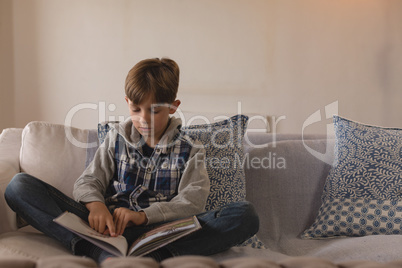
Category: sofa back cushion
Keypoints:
(284, 182)
(54, 153)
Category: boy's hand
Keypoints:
(100, 218)
(124, 217)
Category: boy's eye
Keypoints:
(154, 111)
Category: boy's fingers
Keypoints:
(118, 225)
(111, 227)
(115, 218)
(123, 227)
(91, 223)
(101, 226)
(96, 225)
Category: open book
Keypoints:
(146, 243)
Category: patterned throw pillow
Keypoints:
(224, 157)
(363, 191)
(103, 129)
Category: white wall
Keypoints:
(6, 66)
(277, 57)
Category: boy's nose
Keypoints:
(144, 119)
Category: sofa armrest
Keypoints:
(8, 221)
(10, 144)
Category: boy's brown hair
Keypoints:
(159, 77)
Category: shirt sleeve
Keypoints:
(192, 194)
(92, 184)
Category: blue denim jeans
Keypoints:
(38, 203)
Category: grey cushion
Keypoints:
(291, 194)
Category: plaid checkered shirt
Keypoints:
(139, 181)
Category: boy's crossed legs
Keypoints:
(38, 203)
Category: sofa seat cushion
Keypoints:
(63, 261)
(381, 248)
(30, 244)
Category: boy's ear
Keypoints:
(173, 107)
(126, 99)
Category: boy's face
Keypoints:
(150, 118)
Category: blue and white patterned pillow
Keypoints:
(103, 129)
(224, 158)
(363, 192)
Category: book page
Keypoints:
(163, 235)
(115, 245)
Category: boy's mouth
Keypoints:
(145, 129)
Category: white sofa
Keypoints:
(286, 197)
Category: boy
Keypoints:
(142, 175)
